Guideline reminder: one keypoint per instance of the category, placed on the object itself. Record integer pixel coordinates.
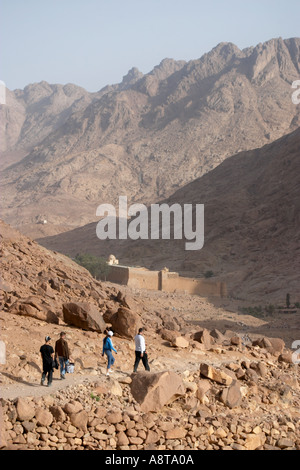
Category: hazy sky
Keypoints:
(93, 43)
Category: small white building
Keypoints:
(2, 92)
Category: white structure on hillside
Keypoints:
(2, 92)
(112, 260)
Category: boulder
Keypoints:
(57, 413)
(236, 341)
(152, 437)
(43, 417)
(218, 336)
(232, 396)
(6, 286)
(122, 439)
(285, 443)
(274, 346)
(180, 342)
(254, 441)
(80, 420)
(127, 301)
(202, 389)
(116, 389)
(286, 357)
(216, 375)
(32, 307)
(83, 315)
(155, 390)
(73, 407)
(125, 323)
(203, 336)
(176, 433)
(25, 411)
(174, 338)
(169, 335)
(114, 417)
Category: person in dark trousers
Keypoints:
(107, 349)
(140, 351)
(62, 353)
(47, 353)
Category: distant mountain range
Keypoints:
(252, 220)
(65, 151)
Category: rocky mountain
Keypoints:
(146, 137)
(251, 238)
(32, 114)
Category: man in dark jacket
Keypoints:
(47, 353)
(62, 353)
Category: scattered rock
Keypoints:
(216, 375)
(255, 441)
(203, 336)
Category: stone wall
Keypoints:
(173, 282)
(118, 274)
(142, 278)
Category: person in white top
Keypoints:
(140, 351)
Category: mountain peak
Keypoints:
(132, 76)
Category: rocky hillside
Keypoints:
(209, 392)
(251, 227)
(217, 380)
(50, 287)
(147, 136)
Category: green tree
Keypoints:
(208, 274)
(96, 265)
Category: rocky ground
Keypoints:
(218, 380)
(231, 396)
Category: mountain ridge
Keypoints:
(154, 134)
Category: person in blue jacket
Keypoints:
(107, 349)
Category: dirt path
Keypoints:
(178, 362)
(34, 389)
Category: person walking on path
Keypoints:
(107, 349)
(140, 351)
(47, 353)
(63, 353)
